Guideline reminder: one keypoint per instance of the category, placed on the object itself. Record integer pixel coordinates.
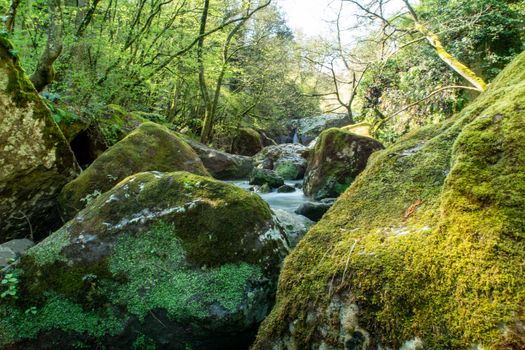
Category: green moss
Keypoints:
(150, 147)
(338, 157)
(158, 277)
(247, 142)
(115, 123)
(48, 251)
(428, 240)
(57, 314)
(287, 170)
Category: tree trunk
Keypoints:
(207, 127)
(200, 60)
(444, 55)
(11, 15)
(450, 60)
(44, 73)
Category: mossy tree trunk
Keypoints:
(44, 72)
(444, 55)
(11, 15)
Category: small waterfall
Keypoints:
(295, 138)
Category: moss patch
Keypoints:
(288, 170)
(57, 314)
(150, 147)
(159, 277)
(427, 242)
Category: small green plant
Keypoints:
(59, 114)
(9, 283)
(90, 197)
(31, 311)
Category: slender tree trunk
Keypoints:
(200, 60)
(444, 55)
(211, 107)
(209, 118)
(11, 15)
(44, 73)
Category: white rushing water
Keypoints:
(285, 201)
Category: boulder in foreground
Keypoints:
(426, 248)
(174, 260)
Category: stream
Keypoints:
(285, 201)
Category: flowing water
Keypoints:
(285, 201)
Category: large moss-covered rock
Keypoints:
(247, 142)
(222, 165)
(175, 260)
(426, 248)
(338, 157)
(150, 147)
(115, 123)
(35, 158)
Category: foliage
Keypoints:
(9, 285)
(139, 54)
(485, 35)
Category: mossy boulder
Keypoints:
(115, 122)
(180, 260)
(247, 142)
(261, 177)
(287, 160)
(426, 248)
(222, 165)
(151, 147)
(338, 157)
(35, 158)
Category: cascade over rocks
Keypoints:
(149, 147)
(180, 260)
(222, 165)
(287, 160)
(35, 158)
(337, 158)
(426, 248)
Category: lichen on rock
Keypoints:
(425, 249)
(192, 256)
(35, 158)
